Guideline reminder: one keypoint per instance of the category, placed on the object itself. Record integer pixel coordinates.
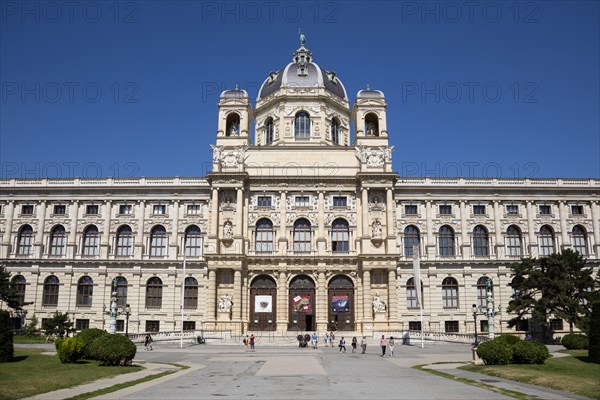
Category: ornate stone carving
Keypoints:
(225, 303)
(379, 303)
(374, 156)
(230, 157)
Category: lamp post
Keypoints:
(474, 309)
(127, 311)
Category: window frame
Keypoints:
(450, 293)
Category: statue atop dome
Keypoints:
(302, 38)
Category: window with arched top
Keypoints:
(335, 131)
(482, 291)
(264, 236)
(450, 293)
(371, 125)
(85, 289)
(158, 241)
(580, 240)
(25, 241)
(124, 241)
(190, 294)
(91, 241)
(18, 284)
(50, 292)
(193, 241)
(412, 301)
(302, 126)
(480, 241)
(269, 131)
(411, 239)
(546, 240)
(514, 241)
(446, 241)
(340, 236)
(121, 291)
(302, 236)
(154, 287)
(57, 241)
(232, 125)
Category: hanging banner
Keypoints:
(340, 304)
(263, 304)
(302, 303)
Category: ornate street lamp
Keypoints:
(127, 312)
(474, 309)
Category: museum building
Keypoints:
(304, 227)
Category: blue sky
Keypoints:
(130, 88)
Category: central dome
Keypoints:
(302, 72)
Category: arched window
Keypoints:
(480, 241)
(193, 241)
(546, 240)
(18, 283)
(233, 125)
(340, 236)
(450, 293)
(411, 294)
(482, 291)
(302, 126)
(57, 241)
(90, 241)
(371, 125)
(513, 241)
(158, 241)
(121, 291)
(154, 293)
(264, 236)
(446, 241)
(411, 239)
(50, 292)
(269, 131)
(190, 294)
(335, 131)
(85, 289)
(580, 240)
(302, 236)
(124, 241)
(25, 241)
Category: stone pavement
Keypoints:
(295, 373)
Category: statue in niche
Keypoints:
(378, 303)
(228, 230)
(376, 229)
(225, 303)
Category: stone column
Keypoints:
(366, 288)
(392, 299)
(105, 244)
(236, 312)
(321, 238)
(532, 248)
(365, 213)
(360, 316)
(499, 245)
(596, 225)
(6, 240)
(321, 303)
(39, 237)
(282, 241)
(391, 232)
(211, 297)
(430, 245)
(72, 238)
(174, 245)
(139, 237)
(563, 214)
(214, 213)
(465, 246)
(282, 305)
(239, 211)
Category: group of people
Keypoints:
(249, 341)
(330, 340)
(385, 344)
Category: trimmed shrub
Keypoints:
(88, 337)
(510, 340)
(529, 352)
(70, 350)
(594, 346)
(495, 352)
(57, 343)
(113, 349)
(575, 341)
(6, 337)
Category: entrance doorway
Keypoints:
(340, 304)
(302, 304)
(263, 304)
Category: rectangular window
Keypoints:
(556, 324)
(189, 325)
(225, 277)
(483, 326)
(125, 209)
(81, 324)
(27, 210)
(445, 210)
(410, 209)
(152, 326)
(120, 325)
(479, 210)
(302, 201)
(91, 209)
(414, 325)
(264, 201)
(512, 209)
(545, 210)
(159, 209)
(60, 209)
(340, 201)
(379, 277)
(522, 325)
(451, 326)
(577, 210)
(193, 209)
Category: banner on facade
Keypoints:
(340, 304)
(263, 304)
(302, 303)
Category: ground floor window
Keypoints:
(81, 324)
(189, 325)
(152, 326)
(451, 326)
(556, 324)
(120, 325)
(522, 325)
(414, 325)
(483, 326)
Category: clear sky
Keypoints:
(130, 88)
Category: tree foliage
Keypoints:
(58, 325)
(560, 285)
(7, 293)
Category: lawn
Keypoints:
(18, 339)
(573, 374)
(32, 373)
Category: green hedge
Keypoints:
(594, 347)
(575, 341)
(495, 352)
(529, 352)
(113, 350)
(510, 340)
(88, 337)
(70, 350)
(6, 337)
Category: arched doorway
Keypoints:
(340, 304)
(263, 304)
(302, 304)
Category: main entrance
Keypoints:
(340, 304)
(302, 304)
(263, 304)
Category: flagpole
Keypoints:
(182, 293)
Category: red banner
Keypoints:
(302, 303)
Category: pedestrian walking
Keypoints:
(314, 339)
(246, 342)
(354, 344)
(391, 346)
(331, 338)
(383, 344)
(326, 338)
(148, 342)
(363, 344)
(342, 345)
(251, 342)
